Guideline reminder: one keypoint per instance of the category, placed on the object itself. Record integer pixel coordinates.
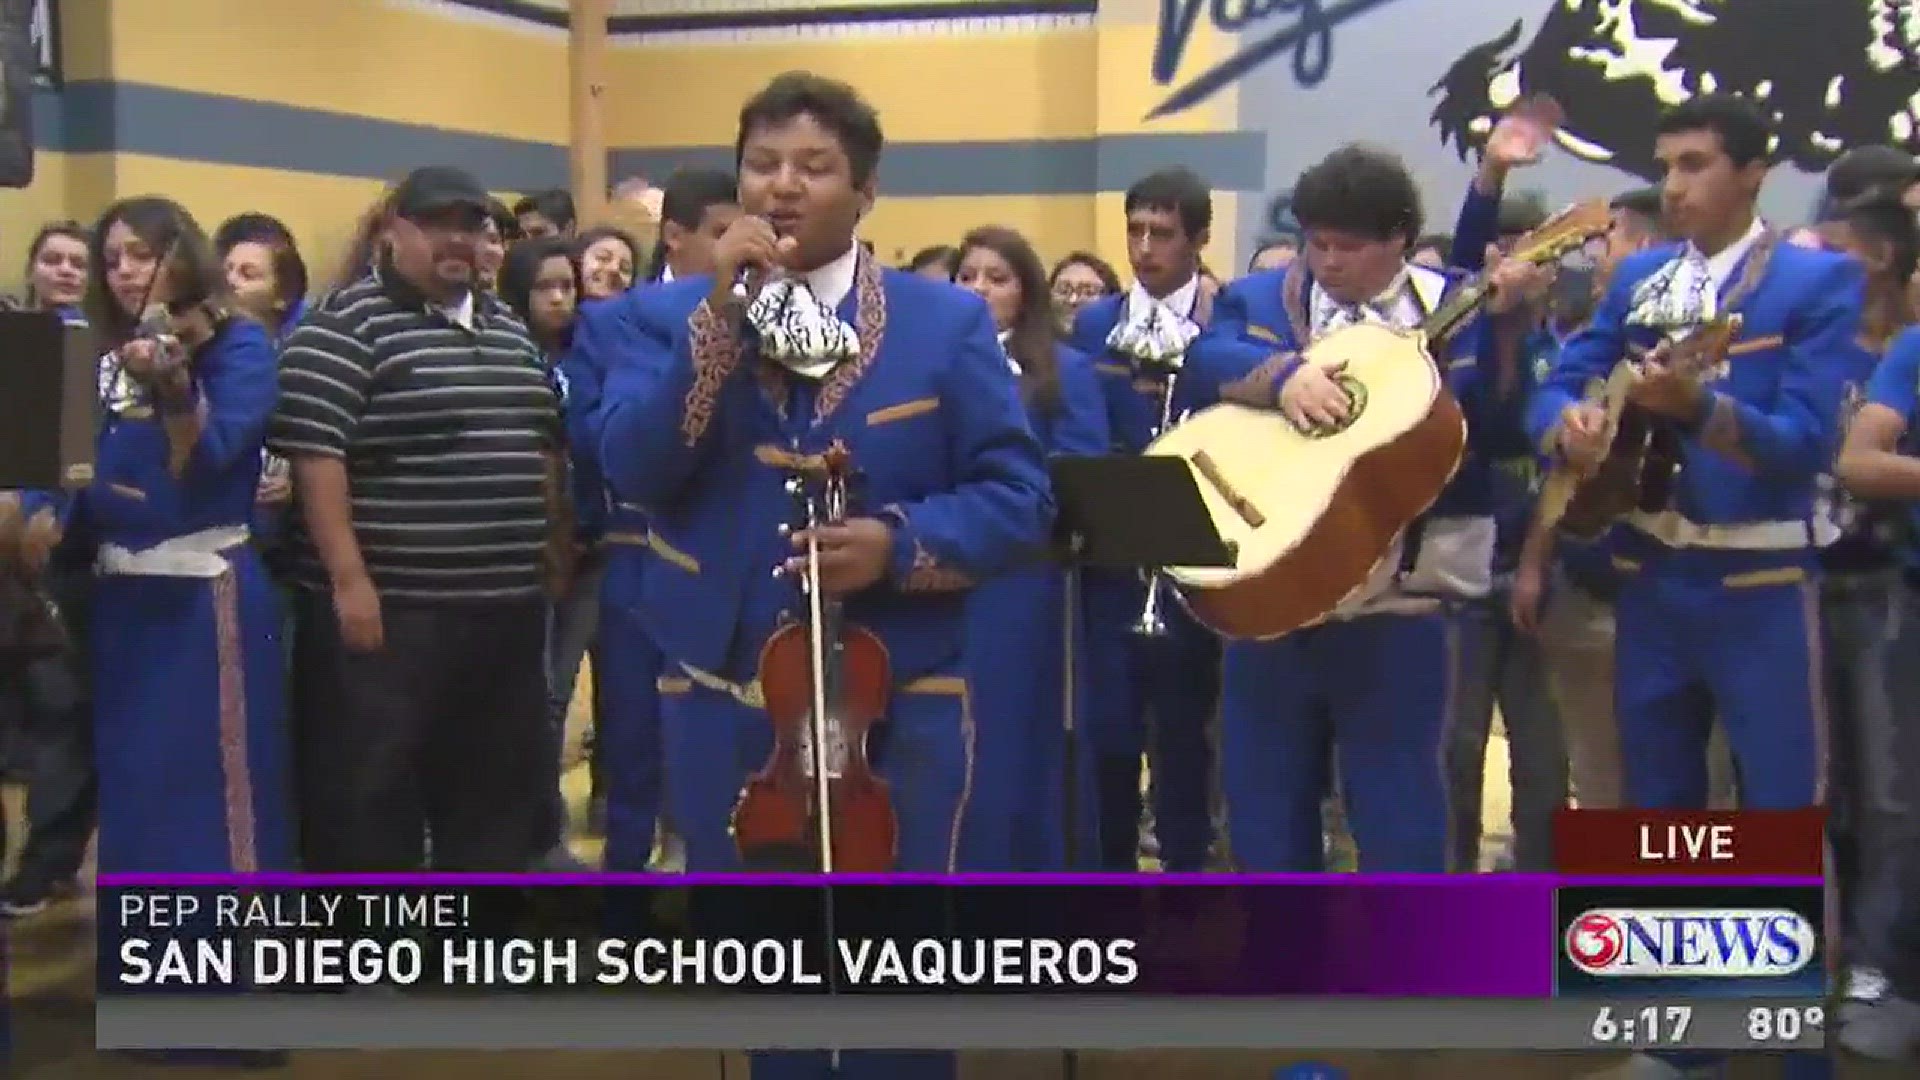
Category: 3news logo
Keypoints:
(1734, 941)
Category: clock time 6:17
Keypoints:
(1646, 1025)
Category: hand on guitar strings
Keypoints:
(853, 554)
(1662, 389)
(1516, 283)
(1312, 399)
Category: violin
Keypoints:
(178, 318)
(817, 804)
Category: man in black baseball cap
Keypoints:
(439, 214)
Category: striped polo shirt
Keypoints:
(444, 418)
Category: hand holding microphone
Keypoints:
(743, 255)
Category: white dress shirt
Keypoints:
(831, 283)
(1180, 301)
(1720, 266)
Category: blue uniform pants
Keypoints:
(926, 750)
(1380, 690)
(1746, 647)
(1168, 687)
(627, 748)
(1018, 644)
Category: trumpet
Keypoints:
(1151, 623)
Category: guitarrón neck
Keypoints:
(1454, 311)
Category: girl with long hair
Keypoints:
(1023, 630)
(189, 690)
(57, 263)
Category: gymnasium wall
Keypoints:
(304, 110)
(1030, 114)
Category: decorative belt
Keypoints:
(1675, 531)
(195, 555)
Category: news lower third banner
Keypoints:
(608, 961)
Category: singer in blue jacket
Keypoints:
(702, 427)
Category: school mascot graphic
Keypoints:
(1835, 74)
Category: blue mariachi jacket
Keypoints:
(1078, 424)
(694, 431)
(134, 501)
(1254, 324)
(1778, 397)
(598, 330)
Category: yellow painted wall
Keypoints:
(359, 57)
(363, 57)
(928, 87)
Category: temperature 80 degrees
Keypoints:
(1785, 1023)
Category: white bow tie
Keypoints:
(1154, 334)
(799, 331)
(1677, 297)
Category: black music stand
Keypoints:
(48, 401)
(1128, 511)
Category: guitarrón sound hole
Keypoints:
(1356, 404)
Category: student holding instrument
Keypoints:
(1379, 680)
(704, 428)
(1718, 607)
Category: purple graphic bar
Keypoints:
(1470, 883)
(1427, 936)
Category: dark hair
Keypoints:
(684, 201)
(1644, 201)
(1271, 243)
(1177, 189)
(503, 220)
(1439, 242)
(553, 204)
(289, 269)
(368, 242)
(68, 228)
(1360, 190)
(193, 271)
(577, 249)
(1882, 215)
(1108, 279)
(944, 255)
(834, 105)
(1746, 135)
(1521, 213)
(522, 268)
(1034, 333)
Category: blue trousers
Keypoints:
(1696, 641)
(926, 749)
(1018, 647)
(1694, 644)
(626, 676)
(1380, 690)
(191, 729)
(1168, 688)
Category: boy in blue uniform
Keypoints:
(1377, 682)
(703, 422)
(1880, 462)
(1717, 613)
(696, 207)
(1736, 548)
(1173, 681)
